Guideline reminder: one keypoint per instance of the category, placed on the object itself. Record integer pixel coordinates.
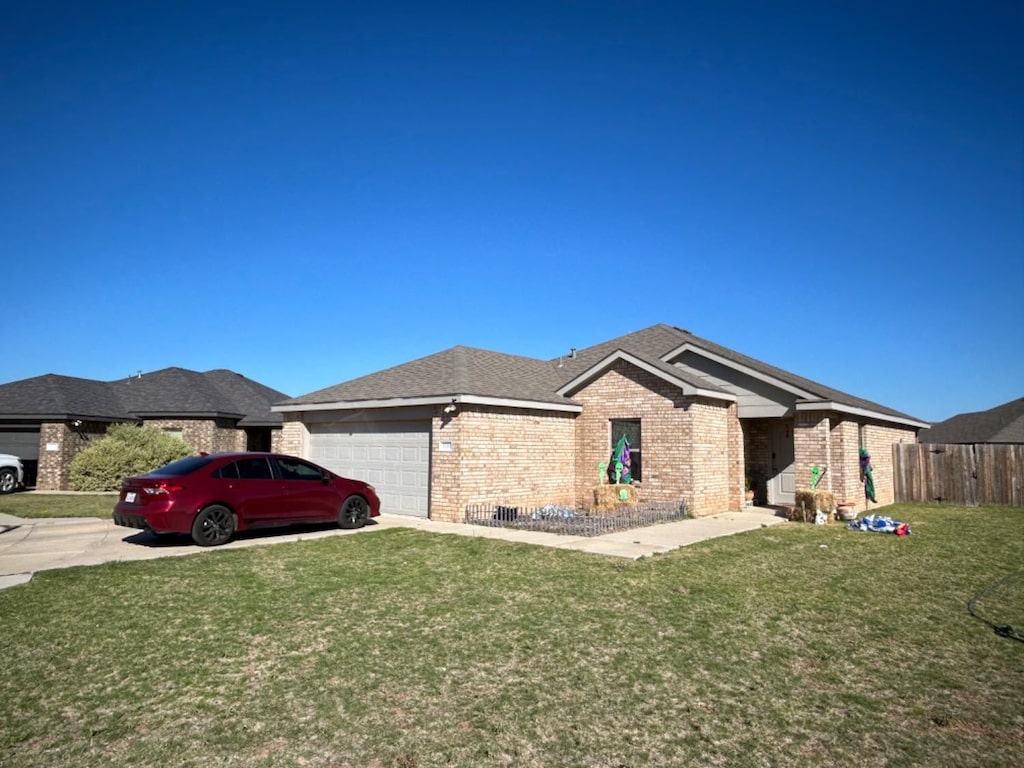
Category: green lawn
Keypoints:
(790, 646)
(42, 504)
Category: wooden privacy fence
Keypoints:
(968, 475)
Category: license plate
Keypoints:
(130, 497)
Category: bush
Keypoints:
(125, 450)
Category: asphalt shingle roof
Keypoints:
(458, 370)
(466, 370)
(168, 392)
(1002, 424)
(173, 391)
(58, 397)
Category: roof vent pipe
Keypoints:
(572, 353)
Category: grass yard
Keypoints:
(790, 646)
(41, 504)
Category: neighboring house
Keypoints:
(1002, 424)
(467, 426)
(48, 419)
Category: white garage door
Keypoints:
(394, 457)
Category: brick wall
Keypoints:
(736, 487)
(486, 455)
(446, 499)
(811, 447)
(212, 436)
(830, 439)
(844, 462)
(691, 446)
(715, 459)
(879, 439)
(209, 435)
(292, 438)
(59, 443)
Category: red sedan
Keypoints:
(212, 496)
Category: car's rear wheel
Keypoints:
(213, 526)
(8, 480)
(355, 511)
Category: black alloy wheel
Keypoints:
(213, 526)
(354, 512)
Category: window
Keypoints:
(227, 472)
(631, 429)
(182, 466)
(173, 432)
(292, 469)
(254, 469)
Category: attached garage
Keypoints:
(22, 442)
(393, 456)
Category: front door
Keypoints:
(782, 485)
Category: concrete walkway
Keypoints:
(27, 546)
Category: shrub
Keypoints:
(124, 451)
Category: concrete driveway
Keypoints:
(28, 546)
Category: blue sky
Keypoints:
(309, 192)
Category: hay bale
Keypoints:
(809, 501)
(609, 497)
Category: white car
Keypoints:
(12, 473)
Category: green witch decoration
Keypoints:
(865, 475)
(618, 465)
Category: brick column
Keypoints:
(811, 445)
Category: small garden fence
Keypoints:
(573, 522)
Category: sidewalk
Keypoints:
(27, 546)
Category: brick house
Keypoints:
(47, 420)
(467, 426)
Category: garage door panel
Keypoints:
(394, 457)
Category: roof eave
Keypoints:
(406, 402)
(186, 415)
(64, 416)
(832, 405)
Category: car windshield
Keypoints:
(183, 466)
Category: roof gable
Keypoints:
(803, 387)
(667, 373)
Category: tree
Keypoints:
(126, 450)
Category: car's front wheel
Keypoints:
(8, 480)
(213, 526)
(355, 511)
